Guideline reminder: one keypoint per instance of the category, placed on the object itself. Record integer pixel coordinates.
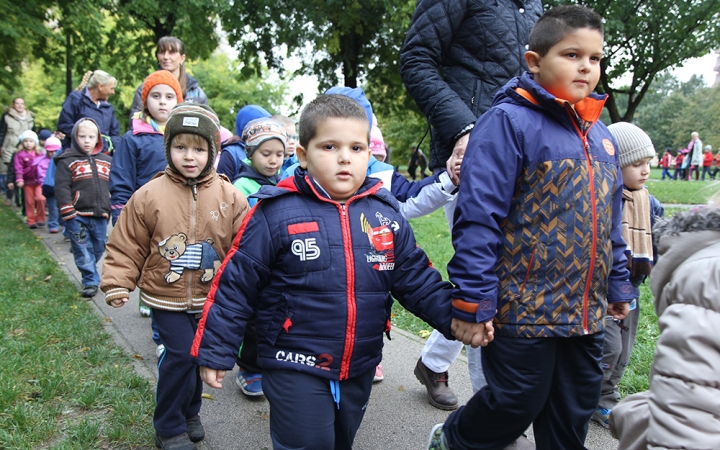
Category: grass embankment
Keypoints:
(64, 384)
(432, 234)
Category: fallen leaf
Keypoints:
(73, 307)
(136, 356)
(47, 278)
(107, 319)
(28, 278)
(207, 396)
(401, 388)
(424, 333)
(17, 332)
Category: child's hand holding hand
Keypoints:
(20, 184)
(212, 377)
(118, 302)
(473, 334)
(618, 310)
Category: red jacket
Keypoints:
(679, 159)
(665, 161)
(707, 159)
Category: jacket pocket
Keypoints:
(275, 320)
(475, 100)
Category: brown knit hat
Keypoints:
(161, 77)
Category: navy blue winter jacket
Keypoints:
(320, 276)
(78, 105)
(139, 157)
(538, 224)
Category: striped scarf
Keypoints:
(636, 230)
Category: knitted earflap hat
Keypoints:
(52, 144)
(261, 130)
(198, 119)
(161, 77)
(28, 134)
(634, 143)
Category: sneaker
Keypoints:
(159, 351)
(54, 230)
(195, 430)
(437, 439)
(144, 310)
(439, 393)
(89, 291)
(32, 227)
(378, 374)
(250, 383)
(179, 442)
(602, 416)
(41, 224)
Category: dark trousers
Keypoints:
(303, 414)
(179, 387)
(553, 383)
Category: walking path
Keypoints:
(399, 416)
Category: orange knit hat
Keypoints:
(161, 77)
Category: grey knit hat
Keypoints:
(193, 118)
(634, 143)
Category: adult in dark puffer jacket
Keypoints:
(456, 54)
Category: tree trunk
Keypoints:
(68, 63)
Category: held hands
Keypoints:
(20, 184)
(212, 377)
(118, 302)
(473, 334)
(618, 310)
(453, 163)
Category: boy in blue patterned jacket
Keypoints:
(315, 262)
(539, 248)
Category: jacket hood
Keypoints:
(246, 114)
(525, 91)
(301, 182)
(73, 138)
(681, 237)
(356, 94)
(246, 171)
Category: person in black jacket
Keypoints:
(456, 55)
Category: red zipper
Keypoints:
(593, 203)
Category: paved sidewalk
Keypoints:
(399, 416)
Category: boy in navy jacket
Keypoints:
(317, 260)
(539, 248)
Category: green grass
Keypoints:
(64, 384)
(681, 191)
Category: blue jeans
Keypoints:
(87, 241)
(53, 215)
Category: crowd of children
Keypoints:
(282, 251)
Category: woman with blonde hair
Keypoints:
(171, 57)
(90, 99)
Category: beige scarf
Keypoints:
(636, 230)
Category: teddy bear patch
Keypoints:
(199, 256)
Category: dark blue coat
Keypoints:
(320, 276)
(138, 158)
(78, 105)
(538, 224)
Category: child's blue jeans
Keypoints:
(87, 241)
(53, 215)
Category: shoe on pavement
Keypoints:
(378, 374)
(159, 351)
(32, 227)
(602, 416)
(41, 224)
(179, 442)
(144, 310)
(437, 438)
(250, 383)
(54, 230)
(439, 393)
(522, 443)
(194, 429)
(89, 291)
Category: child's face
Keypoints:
(28, 144)
(636, 174)
(571, 68)
(268, 157)
(160, 101)
(337, 157)
(292, 141)
(189, 157)
(87, 138)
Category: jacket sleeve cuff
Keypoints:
(446, 183)
(113, 293)
(466, 129)
(473, 312)
(619, 292)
